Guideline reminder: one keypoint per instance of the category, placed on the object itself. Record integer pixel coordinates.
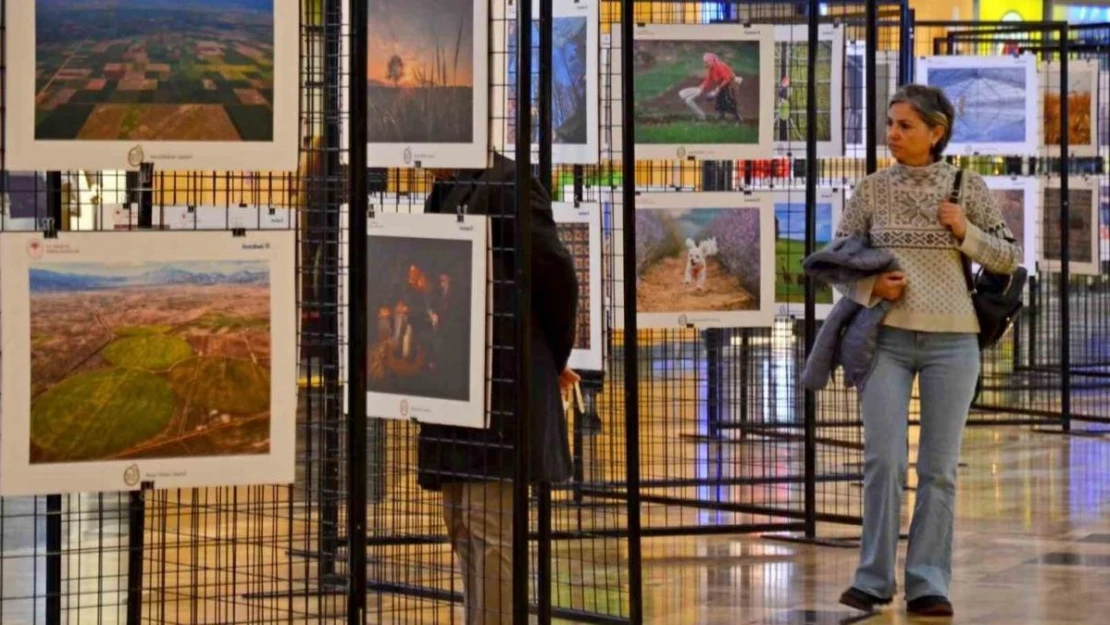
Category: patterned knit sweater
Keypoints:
(897, 209)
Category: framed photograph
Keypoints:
(1082, 93)
(703, 260)
(189, 84)
(790, 237)
(791, 73)
(574, 89)
(147, 356)
(996, 100)
(701, 91)
(427, 306)
(1083, 226)
(855, 80)
(428, 84)
(1019, 198)
(580, 231)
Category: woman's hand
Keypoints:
(952, 216)
(890, 286)
(567, 379)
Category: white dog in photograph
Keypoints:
(696, 256)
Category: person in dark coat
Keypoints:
(474, 468)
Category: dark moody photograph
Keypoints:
(419, 302)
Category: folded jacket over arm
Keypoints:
(847, 337)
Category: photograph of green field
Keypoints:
(154, 70)
(790, 246)
(697, 92)
(149, 360)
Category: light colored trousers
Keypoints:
(479, 518)
(947, 366)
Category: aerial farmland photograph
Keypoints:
(154, 70)
(149, 360)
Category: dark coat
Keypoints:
(848, 335)
(454, 454)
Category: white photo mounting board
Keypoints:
(102, 103)
(739, 287)
(1083, 208)
(419, 116)
(855, 78)
(790, 223)
(427, 309)
(997, 101)
(1023, 219)
(1083, 99)
(790, 101)
(166, 357)
(667, 127)
(580, 231)
(575, 72)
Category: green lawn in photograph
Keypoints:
(224, 385)
(149, 352)
(93, 415)
(791, 253)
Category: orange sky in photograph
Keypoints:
(411, 29)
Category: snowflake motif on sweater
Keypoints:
(896, 208)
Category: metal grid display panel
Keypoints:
(194, 555)
(579, 549)
(1024, 380)
(721, 419)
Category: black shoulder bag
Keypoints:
(997, 297)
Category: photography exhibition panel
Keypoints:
(996, 100)
(428, 84)
(1082, 225)
(1019, 200)
(790, 233)
(855, 98)
(579, 227)
(703, 260)
(701, 91)
(1082, 94)
(147, 357)
(193, 84)
(427, 306)
(792, 58)
(575, 126)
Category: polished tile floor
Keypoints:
(1032, 547)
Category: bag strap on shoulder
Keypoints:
(954, 198)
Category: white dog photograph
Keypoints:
(705, 259)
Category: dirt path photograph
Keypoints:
(698, 260)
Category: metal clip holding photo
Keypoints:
(49, 231)
(460, 212)
(238, 232)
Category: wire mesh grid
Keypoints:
(1025, 378)
(722, 425)
(211, 555)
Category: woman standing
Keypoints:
(930, 334)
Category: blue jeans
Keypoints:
(947, 366)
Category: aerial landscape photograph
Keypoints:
(154, 70)
(149, 360)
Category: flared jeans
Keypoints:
(947, 367)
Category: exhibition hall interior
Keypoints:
(781, 312)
